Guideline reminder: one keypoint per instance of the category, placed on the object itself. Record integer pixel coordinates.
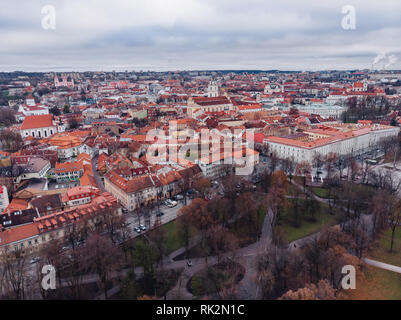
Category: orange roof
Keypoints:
(84, 156)
(18, 233)
(64, 141)
(88, 180)
(16, 204)
(81, 190)
(68, 166)
(40, 121)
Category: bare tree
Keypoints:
(103, 257)
(288, 166)
(15, 273)
(394, 221)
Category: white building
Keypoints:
(212, 89)
(4, 201)
(323, 110)
(38, 126)
(360, 140)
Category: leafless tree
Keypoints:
(394, 221)
(103, 257)
(15, 273)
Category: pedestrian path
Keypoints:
(382, 265)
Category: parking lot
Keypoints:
(169, 214)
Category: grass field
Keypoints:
(378, 284)
(322, 218)
(173, 242)
(320, 192)
(241, 230)
(382, 252)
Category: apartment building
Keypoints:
(32, 236)
(341, 139)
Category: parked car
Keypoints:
(142, 227)
(34, 260)
(137, 230)
(179, 197)
(189, 263)
(159, 214)
(172, 204)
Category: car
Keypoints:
(142, 227)
(137, 230)
(159, 214)
(81, 242)
(34, 260)
(189, 263)
(167, 202)
(172, 204)
(179, 197)
(221, 193)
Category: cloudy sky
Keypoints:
(198, 34)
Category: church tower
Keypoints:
(212, 89)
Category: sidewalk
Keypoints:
(382, 265)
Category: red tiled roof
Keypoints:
(41, 121)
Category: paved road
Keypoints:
(248, 288)
(96, 174)
(170, 214)
(382, 265)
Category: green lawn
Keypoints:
(378, 284)
(320, 192)
(382, 252)
(307, 226)
(172, 240)
(241, 230)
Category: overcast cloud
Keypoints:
(198, 34)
